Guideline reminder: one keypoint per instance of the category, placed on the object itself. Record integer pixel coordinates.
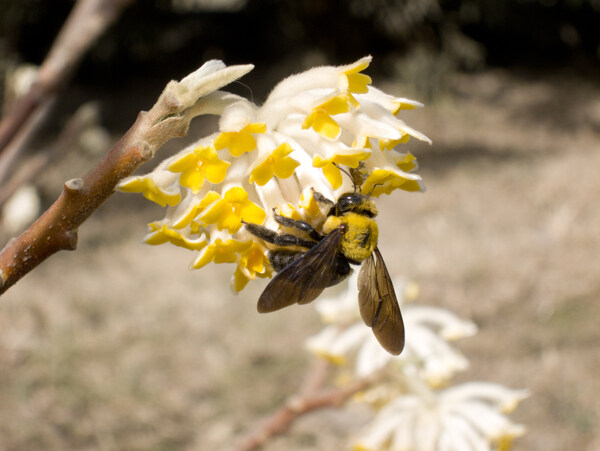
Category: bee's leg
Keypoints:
(280, 258)
(322, 199)
(281, 239)
(300, 225)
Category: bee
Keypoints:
(348, 237)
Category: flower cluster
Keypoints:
(466, 417)
(276, 156)
(413, 412)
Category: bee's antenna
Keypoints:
(348, 174)
(248, 88)
(373, 188)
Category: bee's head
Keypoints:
(356, 203)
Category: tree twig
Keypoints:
(57, 228)
(87, 21)
(308, 400)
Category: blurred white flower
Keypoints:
(412, 415)
(18, 81)
(21, 209)
(467, 417)
(428, 329)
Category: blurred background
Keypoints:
(118, 346)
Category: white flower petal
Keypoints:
(210, 77)
(459, 435)
(490, 423)
(371, 356)
(450, 326)
(505, 398)
(237, 115)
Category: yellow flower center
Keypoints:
(229, 211)
(203, 163)
(278, 164)
(241, 141)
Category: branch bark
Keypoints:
(308, 400)
(170, 117)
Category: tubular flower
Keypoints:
(221, 251)
(252, 264)
(427, 352)
(229, 211)
(159, 187)
(277, 164)
(330, 166)
(202, 163)
(274, 156)
(320, 119)
(161, 233)
(239, 142)
(465, 417)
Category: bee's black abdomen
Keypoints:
(281, 258)
(343, 270)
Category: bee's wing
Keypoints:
(305, 278)
(378, 304)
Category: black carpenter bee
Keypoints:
(348, 236)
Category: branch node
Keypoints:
(2, 278)
(68, 240)
(72, 237)
(74, 185)
(146, 152)
(296, 404)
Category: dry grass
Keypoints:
(117, 346)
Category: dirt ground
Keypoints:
(118, 346)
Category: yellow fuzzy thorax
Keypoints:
(360, 237)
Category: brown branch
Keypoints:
(57, 228)
(85, 24)
(297, 406)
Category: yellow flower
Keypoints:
(320, 119)
(407, 162)
(151, 191)
(229, 211)
(193, 209)
(389, 144)
(221, 252)
(354, 80)
(252, 263)
(310, 204)
(241, 141)
(385, 181)
(404, 104)
(200, 164)
(239, 280)
(161, 233)
(332, 173)
(278, 163)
